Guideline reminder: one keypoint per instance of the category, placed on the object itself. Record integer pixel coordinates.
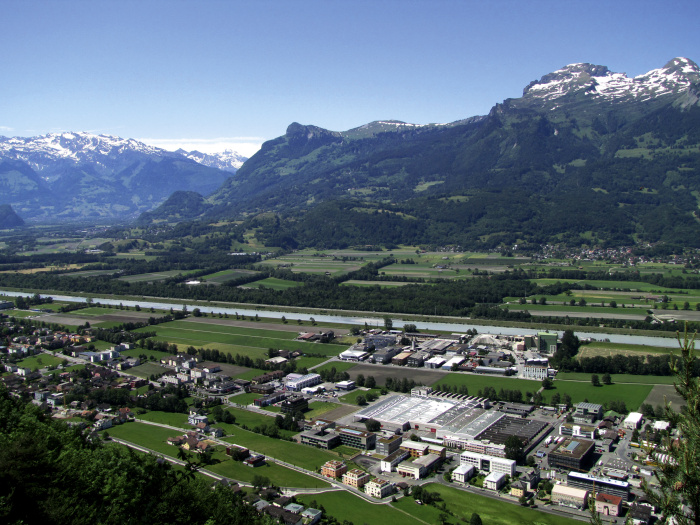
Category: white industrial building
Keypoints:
(633, 420)
(488, 463)
(304, 381)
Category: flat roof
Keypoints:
(594, 479)
(573, 492)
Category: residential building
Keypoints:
(518, 489)
(334, 469)
(488, 463)
(463, 473)
(494, 481)
(639, 514)
(569, 496)
(379, 488)
(608, 504)
(311, 516)
(356, 478)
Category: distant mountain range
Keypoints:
(585, 156)
(72, 176)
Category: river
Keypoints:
(666, 342)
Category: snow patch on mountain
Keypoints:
(228, 160)
(598, 81)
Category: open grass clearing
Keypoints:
(633, 395)
(174, 419)
(310, 458)
(155, 438)
(35, 362)
(600, 348)
(318, 408)
(340, 366)
(351, 398)
(146, 370)
(477, 382)
(244, 399)
(492, 511)
(619, 378)
(346, 506)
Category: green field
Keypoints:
(253, 342)
(340, 366)
(318, 408)
(155, 276)
(146, 370)
(492, 511)
(476, 382)
(155, 438)
(619, 378)
(244, 399)
(351, 398)
(35, 362)
(273, 283)
(301, 455)
(226, 275)
(173, 419)
(346, 506)
(633, 395)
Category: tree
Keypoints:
(678, 492)
(607, 379)
(360, 380)
(361, 400)
(388, 323)
(595, 380)
(514, 448)
(373, 425)
(370, 382)
(475, 519)
(613, 304)
(547, 383)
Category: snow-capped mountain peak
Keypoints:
(49, 154)
(599, 82)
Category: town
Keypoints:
(392, 435)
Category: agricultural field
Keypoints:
(226, 275)
(273, 283)
(381, 284)
(155, 276)
(340, 366)
(91, 273)
(234, 339)
(380, 373)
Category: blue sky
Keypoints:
(213, 74)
